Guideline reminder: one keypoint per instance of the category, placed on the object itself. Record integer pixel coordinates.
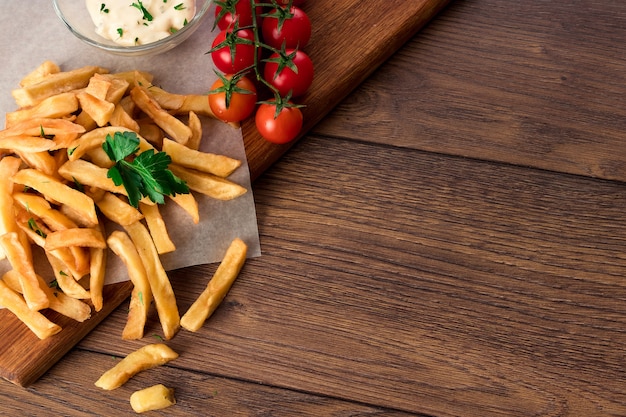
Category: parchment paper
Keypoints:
(30, 33)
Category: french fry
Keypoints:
(98, 87)
(195, 125)
(26, 144)
(38, 74)
(146, 357)
(219, 165)
(8, 167)
(59, 301)
(43, 126)
(91, 175)
(36, 322)
(66, 279)
(157, 228)
(41, 161)
(100, 110)
(57, 106)
(57, 191)
(188, 203)
(156, 397)
(20, 260)
(79, 236)
(176, 129)
(97, 273)
(141, 296)
(208, 184)
(217, 288)
(118, 210)
(162, 291)
(53, 84)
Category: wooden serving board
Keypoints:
(350, 39)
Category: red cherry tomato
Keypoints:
(291, 28)
(244, 52)
(296, 76)
(229, 11)
(281, 129)
(233, 100)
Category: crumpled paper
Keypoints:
(32, 33)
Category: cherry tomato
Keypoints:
(281, 129)
(295, 76)
(244, 52)
(291, 28)
(232, 99)
(227, 11)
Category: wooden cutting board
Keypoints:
(350, 39)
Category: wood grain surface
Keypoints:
(343, 55)
(424, 254)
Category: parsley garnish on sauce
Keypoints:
(142, 175)
(146, 14)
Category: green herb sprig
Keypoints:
(143, 175)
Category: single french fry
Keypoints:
(166, 100)
(8, 167)
(118, 210)
(195, 125)
(146, 357)
(59, 301)
(188, 203)
(100, 110)
(119, 117)
(36, 322)
(141, 296)
(38, 74)
(53, 84)
(65, 278)
(91, 175)
(175, 128)
(156, 397)
(217, 288)
(208, 184)
(97, 274)
(57, 106)
(79, 236)
(57, 191)
(199, 104)
(40, 161)
(43, 126)
(25, 143)
(181, 155)
(162, 291)
(21, 260)
(98, 87)
(157, 227)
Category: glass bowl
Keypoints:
(75, 16)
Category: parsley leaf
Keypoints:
(143, 175)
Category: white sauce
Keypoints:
(138, 22)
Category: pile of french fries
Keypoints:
(55, 196)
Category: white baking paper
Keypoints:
(30, 33)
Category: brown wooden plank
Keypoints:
(424, 283)
(201, 395)
(344, 54)
(544, 88)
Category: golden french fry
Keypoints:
(141, 296)
(97, 273)
(195, 125)
(165, 99)
(43, 126)
(100, 110)
(38, 74)
(53, 84)
(36, 322)
(208, 184)
(156, 397)
(79, 236)
(66, 279)
(188, 203)
(181, 155)
(118, 210)
(179, 131)
(40, 161)
(199, 104)
(20, 260)
(121, 118)
(57, 191)
(157, 227)
(57, 106)
(217, 288)
(149, 130)
(26, 144)
(146, 357)
(90, 175)
(98, 87)
(59, 301)
(8, 167)
(162, 291)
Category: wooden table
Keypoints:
(449, 241)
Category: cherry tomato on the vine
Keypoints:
(278, 129)
(241, 43)
(229, 11)
(232, 99)
(289, 74)
(291, 28)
